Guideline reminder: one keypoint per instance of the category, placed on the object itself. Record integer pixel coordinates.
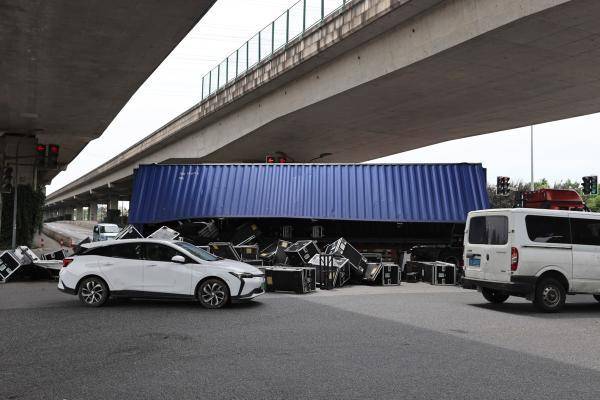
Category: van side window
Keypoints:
(548, 229)
(585, 231)
(488, 230)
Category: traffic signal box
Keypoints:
(46, 156)
(275, 160)
(590, 184)
(6, 185)
(502, 185)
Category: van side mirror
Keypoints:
(178, 259)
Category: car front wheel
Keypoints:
(93, 292)
(550, 295)
(213, 293)
(494, 296)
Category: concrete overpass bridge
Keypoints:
(378, 77)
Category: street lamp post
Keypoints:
(532, 185)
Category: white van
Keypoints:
(105, 232)
(541, 255)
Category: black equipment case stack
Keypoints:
(290, 279)
(342, 248)
(300, 253)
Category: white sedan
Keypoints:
(149, 268)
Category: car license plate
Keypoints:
(474, 262)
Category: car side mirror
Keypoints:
(178, 259)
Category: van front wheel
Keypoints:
(494, 296)
(550, 295)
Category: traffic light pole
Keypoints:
(15, 199)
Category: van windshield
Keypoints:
(109, 229)
(488, 230)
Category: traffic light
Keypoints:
(502, 185)
(276, 160)
(590, 184)
(40, 154)
(7, 180)
(52, 160)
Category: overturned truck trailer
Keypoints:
(388, 207)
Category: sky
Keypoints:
(563, 150)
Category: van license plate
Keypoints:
(474, 262)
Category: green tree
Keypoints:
(29, 216)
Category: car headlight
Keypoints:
(242, 275)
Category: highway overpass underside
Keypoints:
(456, 69)
(538, 69)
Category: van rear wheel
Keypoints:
(550, 295)
(494, 296)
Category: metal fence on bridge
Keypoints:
(296, 20)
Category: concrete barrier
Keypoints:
(61, 238)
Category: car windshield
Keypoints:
(109, 229)
(201, 254)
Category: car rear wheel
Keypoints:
(93, 292)
(550, 295)
(213, 293)
(597, 297)
(494, 296)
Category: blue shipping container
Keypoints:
(357, 192)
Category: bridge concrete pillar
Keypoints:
(79, 214)
(113, 214)
(93, 211)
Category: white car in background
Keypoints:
(151, 268)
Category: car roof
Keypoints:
(125, 241)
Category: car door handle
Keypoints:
(108, 264)
(151, 265)
(487, 257)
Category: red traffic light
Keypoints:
(270, 160)
(282, 160)
(40, 148)
(54, 149)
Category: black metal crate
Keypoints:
(372, 272)
(301, 252)
(390, 274)
(8, 265)
(248, 252)
(224, 249)
(274, 254)
(290, 279)
(342, 248)
(331, 270)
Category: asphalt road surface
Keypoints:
(409, 342)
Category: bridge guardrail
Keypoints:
(296, 20)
